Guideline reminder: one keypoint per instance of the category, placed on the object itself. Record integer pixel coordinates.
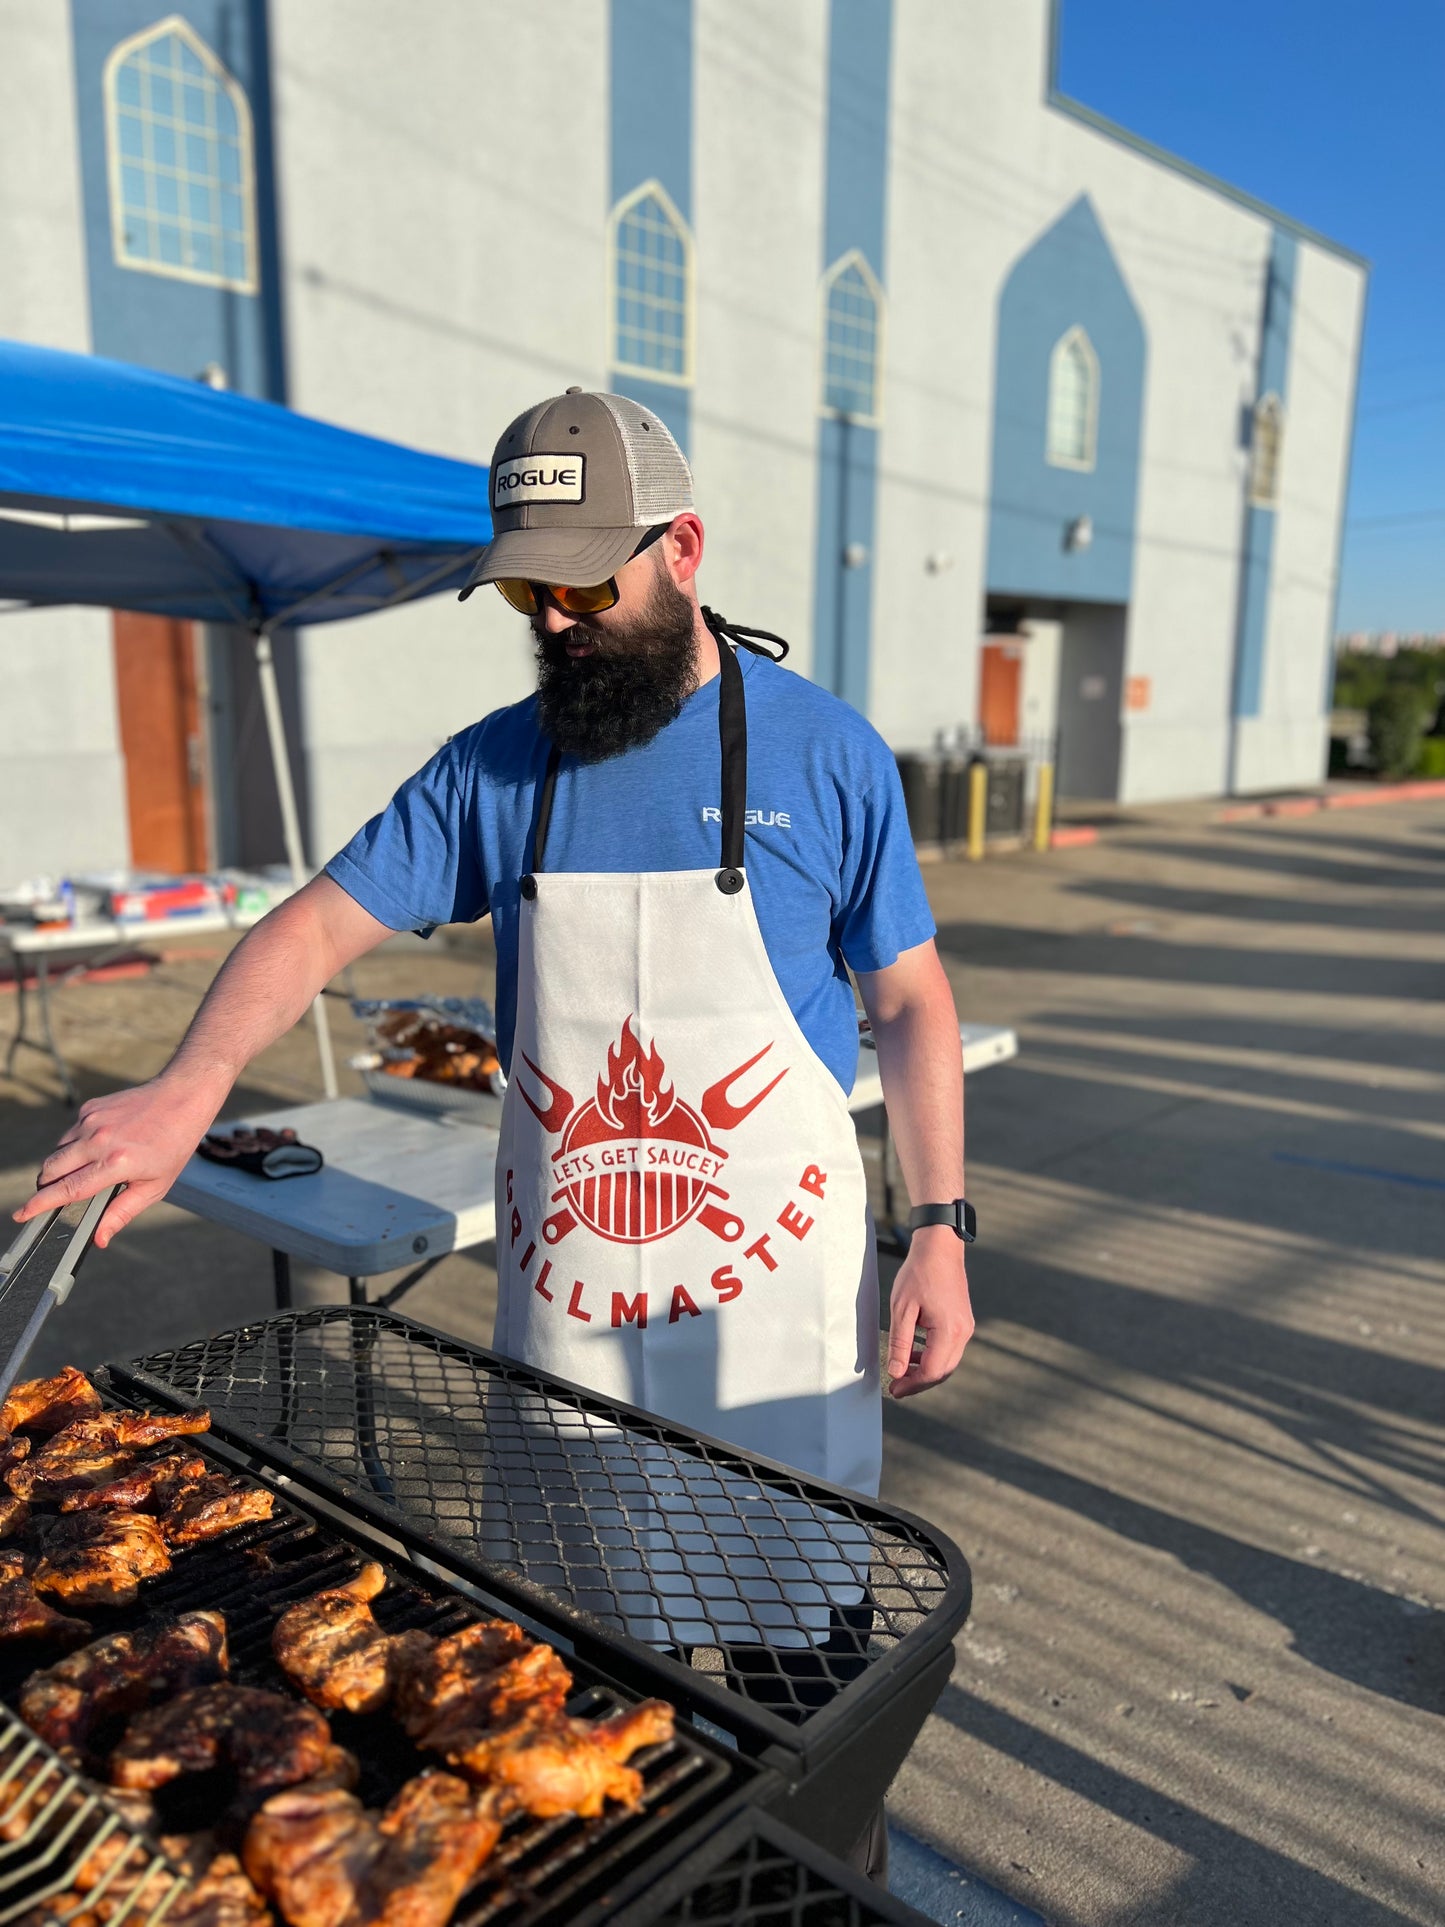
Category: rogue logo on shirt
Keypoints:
(755, 819)
(537, 478)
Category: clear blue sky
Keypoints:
(1331, 111)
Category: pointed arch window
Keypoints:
(1265, 446)
(652, 287)
(852, 339)
(179, 151)
(1073, 416)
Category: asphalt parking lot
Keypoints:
(1195, 1453)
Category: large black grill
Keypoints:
(786, 1610)
(552, 1871)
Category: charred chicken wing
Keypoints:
(557, 1765)
(121, 1674)
(267, 1741)
(327, 1862)
(49, 1404)
(222, 1897)
(100, 1558)
(333, 1649)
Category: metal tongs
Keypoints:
(36, 1274)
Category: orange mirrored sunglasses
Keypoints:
(526, 597)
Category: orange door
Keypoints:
(160, 736)
(1000, 665)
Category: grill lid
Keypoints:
(777, 1602)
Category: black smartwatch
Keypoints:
(960, 1215)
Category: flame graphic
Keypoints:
(634, 1097)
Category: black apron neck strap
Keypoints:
(732, 729)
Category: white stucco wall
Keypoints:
(62, 781)
(423, 221)
(757, 193)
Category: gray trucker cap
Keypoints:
(576, 483)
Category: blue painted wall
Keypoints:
(860, 38)
(150, 319)
(650, 54)
(1275, 327)
(1068, 278)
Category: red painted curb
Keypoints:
(1073, 836)
(1387, 793)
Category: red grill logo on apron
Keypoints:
(636, 1161)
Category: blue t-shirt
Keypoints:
(829, 857)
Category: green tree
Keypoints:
(1397, 719)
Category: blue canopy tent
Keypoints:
(129, 489)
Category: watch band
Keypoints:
(960, 1216)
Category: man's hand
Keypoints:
(929, 1306)
(139, 1138)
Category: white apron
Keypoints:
(682, 1216)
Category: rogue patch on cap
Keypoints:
(537, 478)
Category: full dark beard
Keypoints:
(633, 686)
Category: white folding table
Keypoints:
(401, 1188)
(104, 938)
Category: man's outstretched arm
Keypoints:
(142, 1137)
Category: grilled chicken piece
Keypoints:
(25, 1615)
(450, 1692)
(100, 1558)
(89, 1452)
(49, 1404)
(560, 1765)
(269, 1742)
(148, 1486)
(13, 1514)
(216, 1505)
(121, 1674)
(327, 1862)
(222, 1897)
(333, 1649)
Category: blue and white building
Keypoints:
(998, 412)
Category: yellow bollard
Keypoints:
(1044, 807)
(977, 807)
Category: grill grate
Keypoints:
(542, 1870)
(747, 1579)
(758, 1873)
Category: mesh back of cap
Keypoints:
(661, 478)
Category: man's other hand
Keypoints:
(140, 1138)
(930, 1310)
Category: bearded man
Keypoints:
(684, 849)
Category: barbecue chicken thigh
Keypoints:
(89, 1452)
(452, 1692)
(330, 1646)
(49, 1404)
(146, 1487)
(121, 1674)
(268, 1742)
(327, 1862)
(25, 1615)
(100, 1558)
(216, 1504)
(560, 1765)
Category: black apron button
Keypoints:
(730, 882)
(529, 887)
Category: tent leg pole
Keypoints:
(290, 827)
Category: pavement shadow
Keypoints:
(1294, 861)
(1372, 1639)
(1304, 1897)
(1242, 1031)
(1404, 919)
(1008, 947)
